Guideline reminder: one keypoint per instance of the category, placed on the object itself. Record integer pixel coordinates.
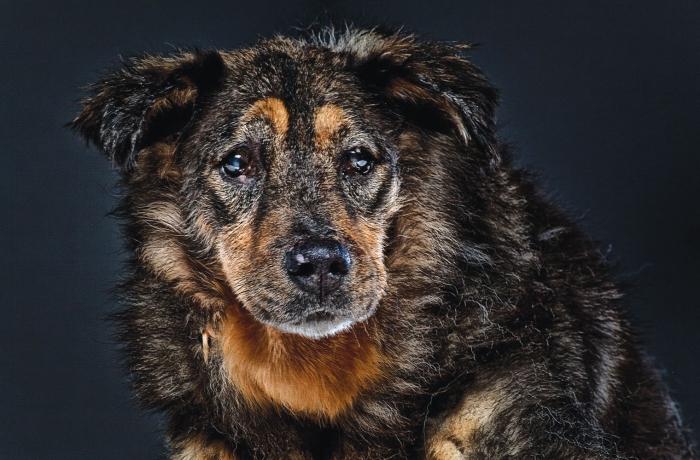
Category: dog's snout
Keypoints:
(318, 267)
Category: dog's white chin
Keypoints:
(323, 328)
(317, 329)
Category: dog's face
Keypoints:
(281, 165)
(295, 189)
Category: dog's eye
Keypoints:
(238, 164)
(358, 160)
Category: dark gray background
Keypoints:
(601, 97)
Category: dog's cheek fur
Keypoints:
(164, 241)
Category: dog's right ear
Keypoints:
(150, 99)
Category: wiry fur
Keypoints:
(498, 331)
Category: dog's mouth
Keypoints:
(281, 305)
(321, 324)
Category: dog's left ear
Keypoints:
(150, 99)
(429, 83)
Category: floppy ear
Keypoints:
(150, 99)
(431, 84)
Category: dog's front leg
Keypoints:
(506, 420)
(454, 435)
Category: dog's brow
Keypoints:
(328, 120)
(271, 109)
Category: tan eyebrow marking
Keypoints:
(271, 109)
(328, 120)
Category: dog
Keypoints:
(333, 257)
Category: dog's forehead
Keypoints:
(304, 96)
(303, 77)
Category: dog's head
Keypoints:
(272, 175)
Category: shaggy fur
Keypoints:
(475, 320)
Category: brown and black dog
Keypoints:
(334, 258)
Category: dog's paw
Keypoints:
(445, 449)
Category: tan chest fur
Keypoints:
(320, 378)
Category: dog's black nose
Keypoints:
(318, 267)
